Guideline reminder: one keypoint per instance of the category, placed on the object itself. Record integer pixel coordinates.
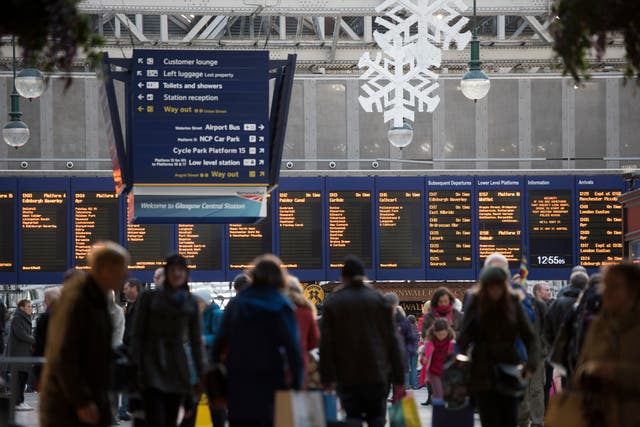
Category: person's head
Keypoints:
(516, 279)
(51, 295)
(578, 268)
(496, 259)
(297, 296)
(426, 307)
(442, 299)
(240, 282)
(132, 288)
(352, 270)
(494, 291)
(268, 272)
(176, 273)
(158, 276)
(108, 262)
(578, 279)
(203, 296)
(542, 291)
(412, 319)
(25, 306)
(440, 331)
(621, 292)
(71, 275)
(392, 300)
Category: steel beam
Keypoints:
(133, 28)
(196, 28)
(539, 28)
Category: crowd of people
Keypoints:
(179, 344)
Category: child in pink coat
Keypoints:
(441, 340)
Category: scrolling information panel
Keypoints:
(499, 215)
(96, 218)
(550, 230)
(44, 231)
(247, 241)
(148, 245)
(399, 218)
(300, 225)
(450, 229)
(201, 244)
(349, 227)
(600, 227)
(7, 204)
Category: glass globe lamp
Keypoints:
(400, 136)
(30, 83)
(475, 85)
(16, 133)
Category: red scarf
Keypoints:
(440, 352)
(445, 311)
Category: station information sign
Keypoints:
(148, 245)
(449, 224)
(96, 218)
(200, 117)
(500, 218)
(600, 219)
(350, 227)
(201, 245)
(44, 231)
(300, 227)
(7, 225)
(248, 241)
(550, 226)
(399, 227)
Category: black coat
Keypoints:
(494, 341)
(358, 343)
(129, 315)
(20, 339)
(558, 312)
(41, 340)
(78, 352)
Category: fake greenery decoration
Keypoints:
(584, 24)
(50, 32)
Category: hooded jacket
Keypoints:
(258, 341)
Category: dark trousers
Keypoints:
(22, 383)
(497, 410)
(250, 424)
(548, 379)
(161, 409)
(365, 402)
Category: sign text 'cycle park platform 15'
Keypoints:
(200, 118)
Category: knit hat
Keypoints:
(492, 275)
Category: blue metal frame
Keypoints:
(44, 185)
(10, 185)
(434, 273)
(555, 183)
(349, 184)
(303, 184)
(400, 184)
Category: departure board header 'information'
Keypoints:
(200, 117)
(403, 228)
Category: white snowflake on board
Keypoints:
(400, 76)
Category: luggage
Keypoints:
(445, 417)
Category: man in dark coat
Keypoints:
(76, 378)
(51, 295)
(359, 350)
(564, 305)
(20, 344)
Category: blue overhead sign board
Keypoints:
(200, 117)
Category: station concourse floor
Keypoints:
(30, 418)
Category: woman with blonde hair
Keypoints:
(306, 316)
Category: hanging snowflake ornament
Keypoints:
(400, 76)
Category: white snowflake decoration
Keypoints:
(389, 87)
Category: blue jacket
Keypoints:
(211, 320)
(259, 336)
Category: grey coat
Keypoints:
(20, 338)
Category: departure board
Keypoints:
(350, 227)
(449, 229)
(300, 226)
(248, 241)
(550, 228)
(148, 244)
(600, 218)
(201, 245)
(44, 231)
(7, 225)
(499, 220)
(96, 218)
(400, 229)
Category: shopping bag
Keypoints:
(404, 413)
(566, 409)
(299, 409)
(330, 406)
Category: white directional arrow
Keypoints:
(140, 85)
(140, 61)
(261, 127)
(141, 97)
(138, 73)
(261, 139)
